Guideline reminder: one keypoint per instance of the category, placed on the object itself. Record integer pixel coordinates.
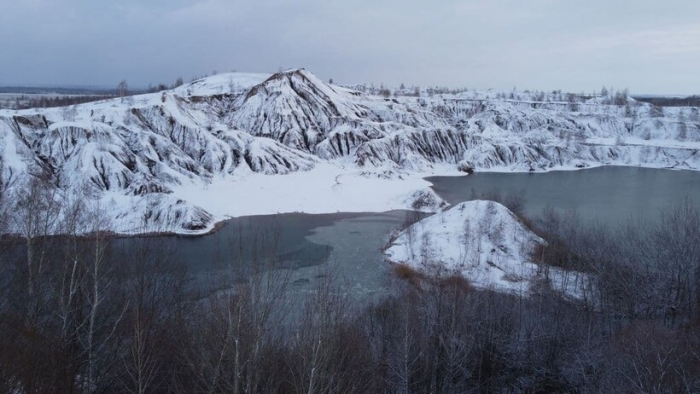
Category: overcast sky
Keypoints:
(647, 46)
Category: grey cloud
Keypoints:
(645, 45)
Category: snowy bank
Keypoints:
(324, 189)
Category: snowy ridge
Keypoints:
(480, 240)
(235, 133)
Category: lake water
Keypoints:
(347, 245)
(311, 246)
(610, 195)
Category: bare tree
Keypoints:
(154, 289)
(35, 216)
(238, 324)
(319, 366)
(694, 115)
(122, 89)
(656, 111)
(682, 126)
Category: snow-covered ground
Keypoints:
(327, 188)
(221, 83)
(484, 242)
(241, 144)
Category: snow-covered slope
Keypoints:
(480, 240)
(235, 133)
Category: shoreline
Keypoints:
(383, 207)
(221, 222)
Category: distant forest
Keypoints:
(690, 101)
(20, 97)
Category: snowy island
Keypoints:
(484, 242)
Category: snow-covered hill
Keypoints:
(180, 160)
(482, 241)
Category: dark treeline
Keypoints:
(690, 101)
(26, 102)
(54, 90)
(78, 315)
(27, 98)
